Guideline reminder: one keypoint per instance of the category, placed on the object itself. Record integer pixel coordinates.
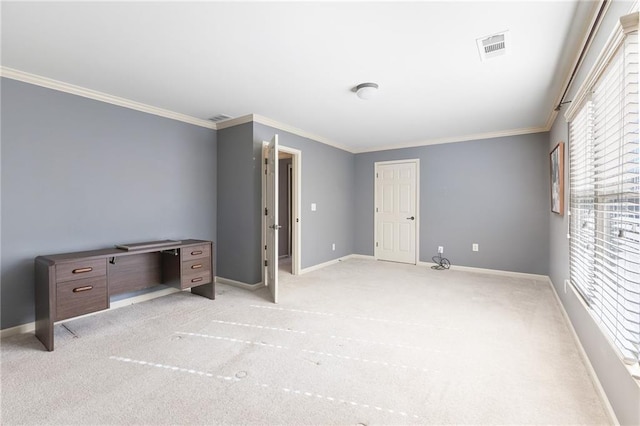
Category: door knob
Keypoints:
(411, 218)
(276, 227)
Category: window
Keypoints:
(604, 202)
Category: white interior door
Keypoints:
(272, 218)
(396, 211)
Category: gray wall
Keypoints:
(81, 174)
(283, 206)
(621, 389)
(239, 205)
(328, 181)
(493, 192)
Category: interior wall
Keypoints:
(327, 181)
(239, 227)
(494, 192)
(283, 206)
(622, 390)
(79, 174)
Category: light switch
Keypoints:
(313, 207)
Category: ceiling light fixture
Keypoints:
(366, 91)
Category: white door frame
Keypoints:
(296, 211)
(272, 218)
(375, 203)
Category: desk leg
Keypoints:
(45, 302)
(205, 290)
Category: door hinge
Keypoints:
(265, 246)
(266, 161)
(376, 210)
(265, 263)
(266, 212)
(376, 175)
(376, 244)
(297, 220)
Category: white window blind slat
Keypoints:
(604, 202)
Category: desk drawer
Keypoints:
(196, 267)
(81, 297)
(80, 269)
(196, 252)
(195, 280)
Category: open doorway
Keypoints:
(289, 219)
(285, 212)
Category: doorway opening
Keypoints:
(285, 212)
(288, 199)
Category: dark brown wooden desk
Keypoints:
(73, 284)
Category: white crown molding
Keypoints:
(552, 118)
(465, 138)
(256, 118)
(625, 25)
(234, 122)
(99, 96)
(287, 128)
(115, 100)
(585, 44)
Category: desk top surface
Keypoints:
(111, 252)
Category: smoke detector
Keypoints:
(493, 45)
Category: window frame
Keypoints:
(593, 196)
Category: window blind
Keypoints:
(581, 203)
(604, 199)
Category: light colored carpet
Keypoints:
(359, 342)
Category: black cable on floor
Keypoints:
(440, 262)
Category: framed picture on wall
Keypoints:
(557, 178)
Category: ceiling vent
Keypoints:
(219, 117)
(493, 46)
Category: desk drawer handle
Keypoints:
(82, 270)
(85, 288)
(196, 252)
(195, 280)
(198, 266)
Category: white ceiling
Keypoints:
(297, 63)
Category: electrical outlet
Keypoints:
(333, 246)
(440, 249)
(474, 247)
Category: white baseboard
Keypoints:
(325, 264)
(141, 298)
(585, 358)
(360, 256)
(490, 271)
(239, 284)
(462, 268)
(31, 327)
(19, 329)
